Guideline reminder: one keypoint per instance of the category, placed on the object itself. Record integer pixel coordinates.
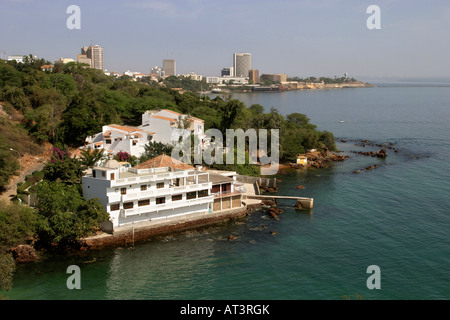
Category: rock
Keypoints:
(269, 202)
(274, 233)
(273, 215)
(381, 153)
(24, 254)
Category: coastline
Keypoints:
(129, 235)
(292, 86)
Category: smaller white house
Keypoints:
(115, 138)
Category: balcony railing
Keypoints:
(159, 192)
(166, 206)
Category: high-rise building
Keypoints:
(169, 67)
(242, 63)
(94, 54)
(253, 76)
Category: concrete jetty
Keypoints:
(301, 202)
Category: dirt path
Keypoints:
(28, 164)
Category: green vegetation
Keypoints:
(17, 224)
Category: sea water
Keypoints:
(396, 217)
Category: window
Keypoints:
(177, 197)
(191, 195)
(203, 193)
(160, 200)
(143, 187)
(115, 207)
(123, 190)
(93, 173)
(160, 185)
(128, 205)
(107, 141)
(112, 176)
(103, 173)
(143, 202)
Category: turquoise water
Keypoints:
(396, 216)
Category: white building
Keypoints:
(157, 125)
(165, 122)
(133, 195)
(193, 76)
(19, 58)
(114, 139)
(225, 80)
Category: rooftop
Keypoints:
(164, 161)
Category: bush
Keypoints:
(17, 223)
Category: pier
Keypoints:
(253, 196)
(302, 202)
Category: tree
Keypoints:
(63, 215)
(90, 157)
(154, 149)
(229, 112)
(63, 168)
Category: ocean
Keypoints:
(395, 217)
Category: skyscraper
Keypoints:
(95, 54)
(242, 63)
(169, 67)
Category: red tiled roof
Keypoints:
(164, 161)
(164, 118)
(124, 128)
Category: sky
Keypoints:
(298, 37)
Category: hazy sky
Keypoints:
(300, 38)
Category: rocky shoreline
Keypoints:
(319, 159)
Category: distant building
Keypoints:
(227, 72)
(227, 80)
(169, 67)
(82, 58)
(253, 76)
(64, 60)
(193, 76)
(47, 67)
(158, 71)
(242, 63)
(274, 77)
(19, 58)
(95, 54)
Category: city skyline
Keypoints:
(298, 38)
